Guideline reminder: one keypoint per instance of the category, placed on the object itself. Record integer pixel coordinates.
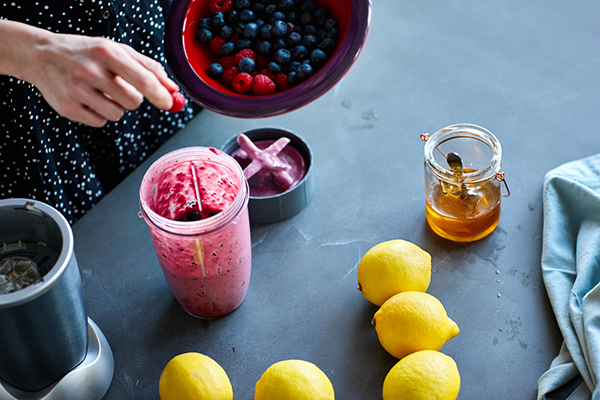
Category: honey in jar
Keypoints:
(463, 182)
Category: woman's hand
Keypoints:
(88, 79)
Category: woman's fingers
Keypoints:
(145, 74)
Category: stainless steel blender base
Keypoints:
(88, 381)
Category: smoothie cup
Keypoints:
(206, 262)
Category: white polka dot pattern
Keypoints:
(63, 163)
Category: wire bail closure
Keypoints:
(500, 178)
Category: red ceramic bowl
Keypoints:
(189, 59)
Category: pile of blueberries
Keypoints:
(290, 37)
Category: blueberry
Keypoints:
(321, 35)
(218, 20)
(231, 17)
(247, 65)
(239, 28)
(266, 31)
(260, 23)
(279, 28)
(194, 215)
(247, 16)
(258, 8)
(307, 5)
(309, 41)
(321, 12)
(290, 27)
(228, 49)
(274, 68)
(277, 16)
(330, 24)
(318, 58)
(327, 45)
(294, 38)
(304, 71)
(294, 65)
(279, 44)
(270, 9)
(215, 70)
(243, 43)
(242, 4)
(292, 78)
(285, 4)
(251, 30)
(204, 35)
(283, 56)
(205, 23)
(333, 33)
(306, 18)
(299, 53)
(310, 30)
(265, 48)
(291, 17)
(227, 32)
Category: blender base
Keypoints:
(88, 381)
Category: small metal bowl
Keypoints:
(269, 209)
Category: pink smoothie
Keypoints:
(206, 262)
(263, 183)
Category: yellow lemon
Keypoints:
(413, 321)
(194, 376)
(392, 267)
(423, 375)
(293, 380)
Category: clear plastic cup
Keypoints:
(207, 262)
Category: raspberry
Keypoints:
(268, 73)
(178, 102)
(230, 74)
(282, 81)
(245, 53)
(263, 85)
(242, 83)
(220, 5)
(227, 62)
(216, 43)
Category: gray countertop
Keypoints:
(526, 70)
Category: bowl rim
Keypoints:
(275, 104)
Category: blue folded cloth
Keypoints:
(571, 273)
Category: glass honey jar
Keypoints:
(463, 182)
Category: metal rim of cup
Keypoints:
(470, 131)
(66, 252)
(204, 226)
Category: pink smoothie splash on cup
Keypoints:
(195, 203)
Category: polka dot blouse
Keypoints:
(65, 164)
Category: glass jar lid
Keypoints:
(479, 151)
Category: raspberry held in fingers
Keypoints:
(178, 102)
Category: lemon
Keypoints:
(413, 321)
(392, 267)
(194, 376)
(293, 380)
(423, 375)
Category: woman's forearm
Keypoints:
(20, 43)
